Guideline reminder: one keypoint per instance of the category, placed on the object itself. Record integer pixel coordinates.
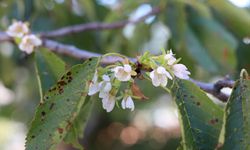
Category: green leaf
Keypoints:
(62, 103)
(175, 18)
(235, 18)
(243, 53)
(89, 8)
(79, 124)
(219, 44)
(237, 117)
(49, 68)
(201, 119)
(198, 52)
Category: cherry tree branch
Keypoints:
(72, 51)
(96, 26)
(69, 50)
(215, 88)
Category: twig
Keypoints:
(4, 37)
(215, 88)
(96, 26)
(75, 52)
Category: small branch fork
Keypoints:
(72, 51)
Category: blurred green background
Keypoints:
(211, 36)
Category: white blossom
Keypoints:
(105, 87)
(123, 73)
(29, 42)
(17, 29)
(160, 76)
(108, 102)
(94, 85)
(181, 71)
(170, 58)
(127, 102)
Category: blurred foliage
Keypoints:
(207, 34)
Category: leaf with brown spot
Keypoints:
(56, 112)
(49, 68)
(201, 119)
(237, 116)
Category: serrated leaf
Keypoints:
(79, 124)
(49, 68)
(237, 117)
(201, 119)
(54, 117)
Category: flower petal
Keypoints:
(181, 71)
(127, 68)
(93, 88)
(130, 103)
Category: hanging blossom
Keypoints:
(160, 76)
(94, 85)
(105, 86)
(108, 102)
(127, 102)
(181, 71)
(18, 29)
(123, 73)
(29, 42)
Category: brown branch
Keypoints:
(75, 52)
(215, 88)
(96, 26)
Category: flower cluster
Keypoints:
(107, 81)
(26, 41)
(109, 85)
(168, 68)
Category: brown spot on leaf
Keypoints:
(68, 126)
(214, 121)
(69, 73)
(61, 91)
(62, 77)
(32, 136)
(43, 113)
(61, 83)
(51, 106)
(60, 130)
(198, 103)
